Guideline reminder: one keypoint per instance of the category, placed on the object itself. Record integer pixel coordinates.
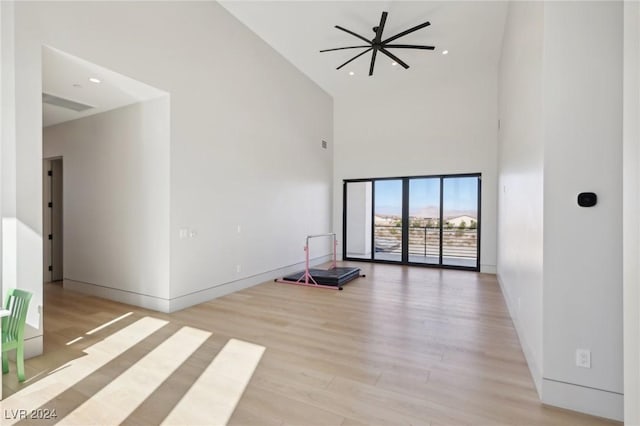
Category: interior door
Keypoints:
(56, 221)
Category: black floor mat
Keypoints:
(334, 276)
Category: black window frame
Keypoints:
(405, 225)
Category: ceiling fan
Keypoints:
(377, 44)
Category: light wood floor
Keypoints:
(402, 346)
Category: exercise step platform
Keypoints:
(335, 276)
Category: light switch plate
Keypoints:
(583, 358)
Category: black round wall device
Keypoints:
(587, 199)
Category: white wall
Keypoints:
(446, 123)
(8, 159)
(631, 212)
(21, 222)
(583, 246)
(249, 156)
(560, 265)
(116, 198)
(246, 131)
(520, 181)
(3, 111)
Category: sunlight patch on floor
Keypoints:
(107, 324)
(115, 402)
(97, 355)
(214, 396)
(71, 342)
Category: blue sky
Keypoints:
(460, 195)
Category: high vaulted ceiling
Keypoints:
(470, 31)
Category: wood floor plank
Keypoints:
(113, 403)
(405, 345)
(214, 395)
(36, 394)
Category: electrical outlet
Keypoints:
(193, 233)
(583, 358)
(183, 233)
(239, 229)
(237, 268)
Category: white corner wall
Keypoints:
(560, 265)
(582, 304)
(116, 200)
(21, 215)
(520, 180)
(446, 123)
(3, 120)
(631, 212)
(248, 177)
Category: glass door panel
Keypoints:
(428, 220)
(358, 219)
(460, 221)
(424, 220)
(387, 218)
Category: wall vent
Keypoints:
(64, 103)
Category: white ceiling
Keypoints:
(61, 71)
(471, 31)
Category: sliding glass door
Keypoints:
(422, 220)
(460, 215)
(358, 214)
(387, 220)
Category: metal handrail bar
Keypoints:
(335, 247)
(455, 250)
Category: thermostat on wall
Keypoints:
(587, 199)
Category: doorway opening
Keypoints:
(52, 191)
(418, 220)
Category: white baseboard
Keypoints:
(33, 347)
(574, 397)
(122, 296)
(488, 269)
(534, 369)
(588, 400)
(184, 301)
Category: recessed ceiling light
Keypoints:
(394, 63)
(94, 80)
(445, 52)
(351, 73)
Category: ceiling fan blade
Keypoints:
(383, 21)
(353, 34)
(373, 61)
(408, 46)
(354, 58)
(342, 48)
(405, 32)
(394, 57)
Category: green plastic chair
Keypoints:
(13, 329)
